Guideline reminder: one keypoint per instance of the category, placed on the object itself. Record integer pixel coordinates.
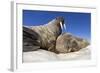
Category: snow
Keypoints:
(43, 55)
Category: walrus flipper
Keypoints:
(30, 40)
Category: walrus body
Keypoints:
(48, 33)
(51, 38)
(67, 43)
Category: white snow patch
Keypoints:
(43, 55)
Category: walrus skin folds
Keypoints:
(47, 34)
(67, 43)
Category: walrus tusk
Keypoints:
(65, 27)
(61, 25)
(69, 50)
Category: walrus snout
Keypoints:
(60, 22)
(60, 19)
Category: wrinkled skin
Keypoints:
(67, 43)
(46, 34)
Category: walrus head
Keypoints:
(56, 25)
(60, 19)
(59, 22)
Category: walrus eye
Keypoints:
(61, 25)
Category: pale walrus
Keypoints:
(67, 43)
(46, 34)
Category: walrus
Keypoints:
(67, 43)
(46, 34)
(50, 37)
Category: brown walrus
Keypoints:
(50, 37)
(66, 43)
(47, 34)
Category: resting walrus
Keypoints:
(51, 38)
(48, 33)
(68, 43)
